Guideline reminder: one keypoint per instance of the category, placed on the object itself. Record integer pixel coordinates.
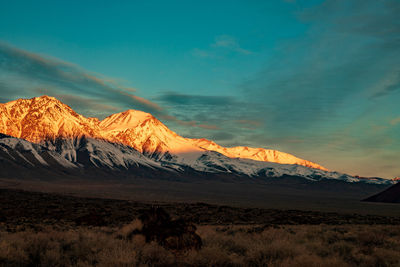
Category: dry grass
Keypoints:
(38, 229)
(299, 245)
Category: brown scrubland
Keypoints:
(39, 229)
(294, 245)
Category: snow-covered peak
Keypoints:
(124, 120)
(151, 137)
(42, 118)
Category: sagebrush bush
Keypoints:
(302, 245)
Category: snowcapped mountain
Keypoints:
(95, 157)
(42, 132)
(46, 118)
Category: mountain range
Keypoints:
(44, 135)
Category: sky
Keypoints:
(319, 79)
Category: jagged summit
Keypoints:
(46, 101)
(42, 118)
(38, 101)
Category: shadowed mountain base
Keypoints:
(390, 195)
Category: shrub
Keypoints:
(157, 225)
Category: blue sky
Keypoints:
(318, 79)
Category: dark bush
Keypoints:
(172, 234)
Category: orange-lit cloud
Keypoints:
(395, 121)
(249, 124)
(90, 103)
(208, 127)
(146, 102)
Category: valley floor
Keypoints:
(43, 229)
(272, 193)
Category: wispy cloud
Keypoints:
(209, 127)
(222, 45)
(351, 52)
(62, 78)
(191, 123)
(250, 124)
(229, 42)
(389, 85)
(91, 107)
(395, 121)
(144, 101)
(223, 136)
(223, 114)
(192, 99)
(203, 53)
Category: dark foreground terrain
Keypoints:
(42, 229)
(272, 193)
(24, 209)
